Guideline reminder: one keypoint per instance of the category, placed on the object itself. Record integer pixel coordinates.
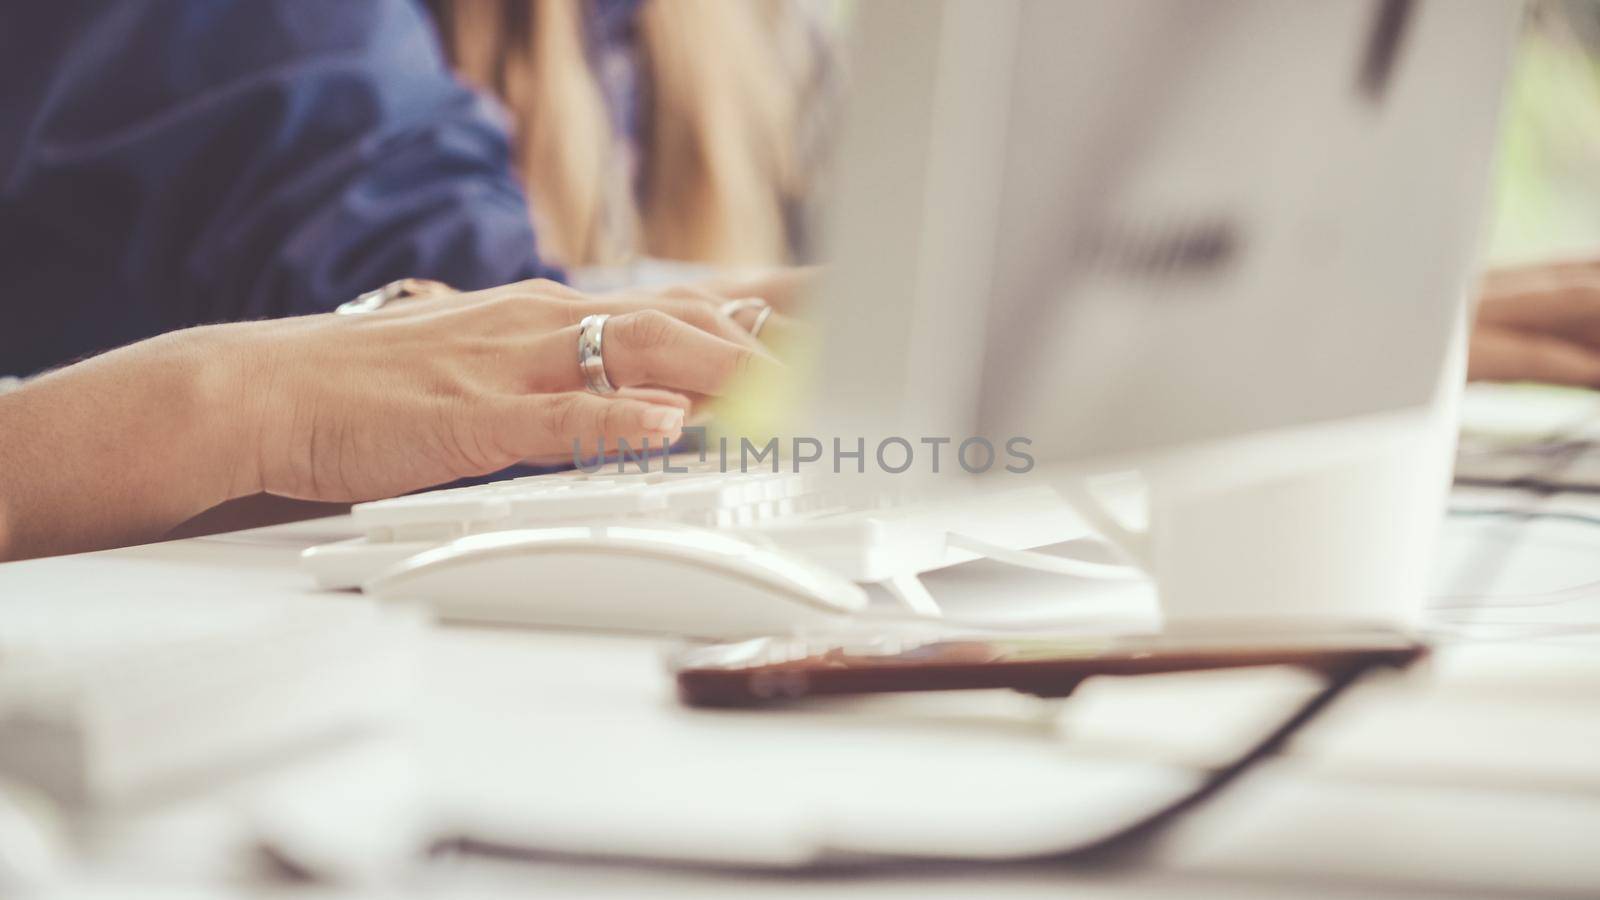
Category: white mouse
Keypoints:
(622, 577)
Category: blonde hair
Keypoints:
(719, 154)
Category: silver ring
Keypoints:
(591, 335)
(761, 321)
(734, 307)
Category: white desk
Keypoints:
(1478, 775)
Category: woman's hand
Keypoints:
(1539, 323)
(427, 391)
(124, 446)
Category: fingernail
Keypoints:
(663, 419)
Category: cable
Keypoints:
(1138, 836)
(1516, 513)
(1585, 591)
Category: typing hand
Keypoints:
(1539, 323)
(430, 390)
(120, 448)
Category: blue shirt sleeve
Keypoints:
(208, 160)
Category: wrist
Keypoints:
(224, 370)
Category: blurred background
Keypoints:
(1548, 195)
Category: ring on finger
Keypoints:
(764, 309)
(761, 321)
(591, 361)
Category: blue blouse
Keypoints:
(165, 163)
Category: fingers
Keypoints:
(545, 305)
(648, 348)
(1499, 354)
(1546, 305)
(524, 338)
(1543, 273)
(777, 291)
(733, 318)
(568, 425)
(1559, 299)
(703, 312)
(783, 288)
(652, 348)
(749, 313)
(656, 395)
(755, 321)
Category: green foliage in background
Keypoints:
(1547, 190)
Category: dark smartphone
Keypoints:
(777, 669)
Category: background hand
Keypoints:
(1539, 323)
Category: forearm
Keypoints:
(122, 447)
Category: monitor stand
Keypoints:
(1328, 526)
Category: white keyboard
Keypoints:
(865, 538)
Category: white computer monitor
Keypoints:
(1229, 238)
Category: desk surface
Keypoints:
(1475, 776)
